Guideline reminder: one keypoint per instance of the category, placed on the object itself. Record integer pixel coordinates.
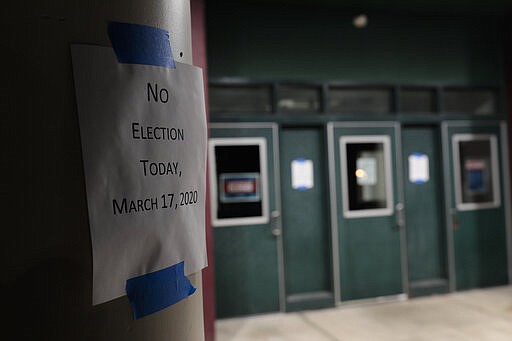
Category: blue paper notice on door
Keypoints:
(475, 174)
(302, 174)
(418, 168)
(239, 187)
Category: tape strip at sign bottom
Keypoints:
(157, 290)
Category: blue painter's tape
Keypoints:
(155, 291)
(140, 44)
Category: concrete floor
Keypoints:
(484, 314)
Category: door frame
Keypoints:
(386, 142)
(325, 159)
(241, 141)
(333, 185)
(440, 158)
(505, 180)
(277, 194)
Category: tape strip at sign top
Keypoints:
(139, 44)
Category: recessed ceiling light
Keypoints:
(360, 21)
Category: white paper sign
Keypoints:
(418, 168)
(302, 174)
(366, 172)
(143, 131)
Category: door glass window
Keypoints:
(417, 100)
(470, 101)
(366, 176)
(240, 99)
(359, 100)
(299, 99)
(238, 181)
(476, 171)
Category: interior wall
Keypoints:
(307, 42)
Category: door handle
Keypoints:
(275, 223)
(454, 218)
(400, 215)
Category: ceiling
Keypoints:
(458, 7)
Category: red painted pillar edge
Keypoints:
(198, 20)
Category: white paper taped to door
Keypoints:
(418, 168)
(143, 131)
(302, 174)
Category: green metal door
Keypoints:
(306, 232)
(364, 176)
(475, 155)
(242, 168)
(424, 210)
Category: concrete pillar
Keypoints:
(46, 249)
